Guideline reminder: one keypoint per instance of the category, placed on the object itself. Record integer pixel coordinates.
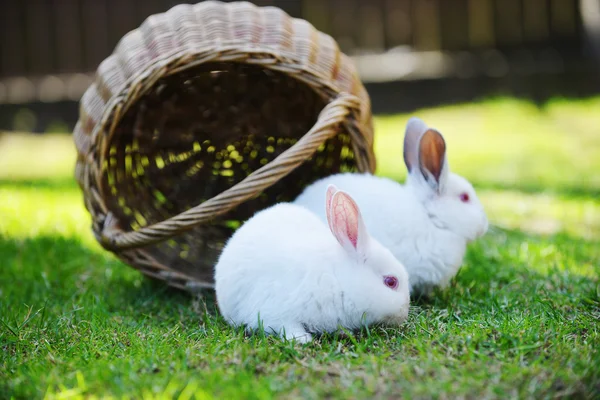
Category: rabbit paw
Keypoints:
(296, 332)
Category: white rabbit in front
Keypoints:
(427, 222)
(286, 271)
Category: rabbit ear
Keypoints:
(415, 128)
(331, 189)
(432, 159)
(346, 224)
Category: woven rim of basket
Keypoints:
(336, 112)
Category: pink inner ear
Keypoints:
(344, 214)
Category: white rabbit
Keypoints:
(286, 271)
(427, 222)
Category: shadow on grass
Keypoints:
(63, 272)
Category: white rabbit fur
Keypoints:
(424, 222)
(286, 267)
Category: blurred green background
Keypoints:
(535, 168)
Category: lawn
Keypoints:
(522, 318)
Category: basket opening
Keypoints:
(198, 132)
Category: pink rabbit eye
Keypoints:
(391, 282)
(464, 197)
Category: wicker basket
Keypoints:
(204, 115)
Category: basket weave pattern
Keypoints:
(201, 117)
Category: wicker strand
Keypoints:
(330, 118)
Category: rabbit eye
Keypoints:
(464, 197)
(391, 282)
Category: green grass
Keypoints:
(521, 318)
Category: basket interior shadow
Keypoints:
(195, 134)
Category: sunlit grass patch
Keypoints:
(33, 156)
(508, 143)
(32, 211)
(545, 213)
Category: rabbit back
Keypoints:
(397, 219)
(388, 207)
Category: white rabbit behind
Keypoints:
(285, 270)
(427, 222)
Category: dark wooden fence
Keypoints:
(42, 37)
(66, 36)
(50, 48)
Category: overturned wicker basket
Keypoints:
(201, 117)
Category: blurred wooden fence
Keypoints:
(49, 49)
(40, 37)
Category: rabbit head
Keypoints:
(450, 200)
(377, 284)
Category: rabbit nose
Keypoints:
(402, 315)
